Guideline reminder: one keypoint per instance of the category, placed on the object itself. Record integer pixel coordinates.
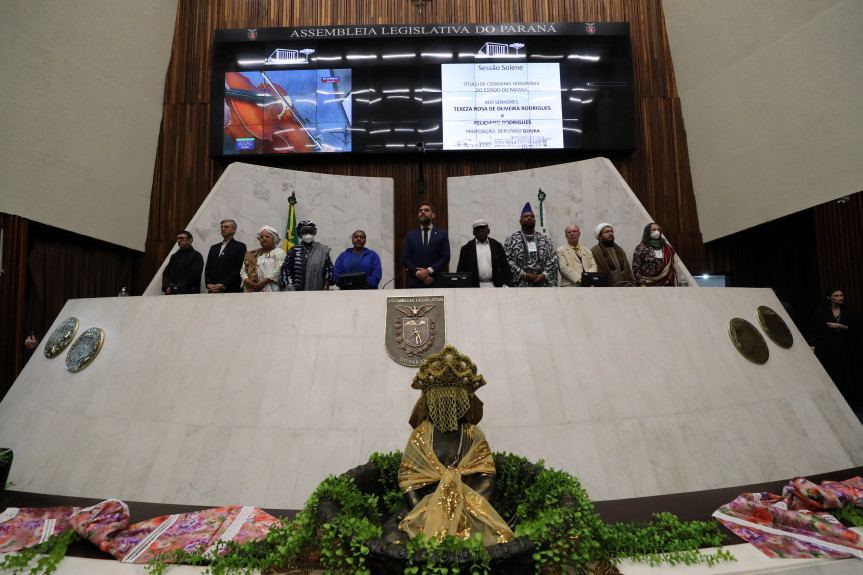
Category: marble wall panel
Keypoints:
(255, 398)
(584, 193)
(254, 196)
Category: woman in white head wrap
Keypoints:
(260, 270)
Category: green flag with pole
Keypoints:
(290, 227)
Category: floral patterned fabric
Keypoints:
(106, 525)
(796, 523)
(29, 526)
(651, 270)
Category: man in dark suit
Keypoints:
(426, 250)
(484, 258)
(222, 273)
(182, 275)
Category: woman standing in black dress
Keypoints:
(833, 338)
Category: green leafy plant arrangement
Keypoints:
(563, 535)
(547, 506)
(424, 554)
(302, 539)
(42, 558)
(849, 514)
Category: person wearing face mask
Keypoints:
(308, 266)
(260, 270)
(654, 260)
(610, 258)
(357, 259)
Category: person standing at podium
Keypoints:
(222, 273)
(483, 257)
(357, 259)
(531, 256)
(573, 259)
(182, 275)
(260, 270)
(308, 266)
(425, 252)
(610, 257)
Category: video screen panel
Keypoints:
(500, 106)
(432, 88)
(287, 111)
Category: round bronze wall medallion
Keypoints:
(775, 327)
(61, 337)
(748, 340)
(85, 349)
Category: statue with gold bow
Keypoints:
(447, 473)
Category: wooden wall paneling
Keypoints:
(839, 241)
(658, 171)
(12, 292)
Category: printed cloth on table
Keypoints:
(803, 494)
(795, 525)
(30, 526)
(192, 532)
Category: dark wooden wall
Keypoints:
(12, 290)
(800, 256)
(658, 171)
(838, 228)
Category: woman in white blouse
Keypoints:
(260, 270)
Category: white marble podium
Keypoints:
(255, 398)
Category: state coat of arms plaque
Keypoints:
(416, 328)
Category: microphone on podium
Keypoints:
(397, 276)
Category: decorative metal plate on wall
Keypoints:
(85, 349)
(775, 327)
(61, 337)
(748, 340)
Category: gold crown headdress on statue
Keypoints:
(448, 380)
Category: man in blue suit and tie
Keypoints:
(426, 251)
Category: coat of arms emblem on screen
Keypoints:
(416, 328)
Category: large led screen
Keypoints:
(287, 111)
(498, 106)
(432, 88)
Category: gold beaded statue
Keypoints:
(447, 474)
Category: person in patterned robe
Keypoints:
(654, 260)
(531, 254)
(308, 266)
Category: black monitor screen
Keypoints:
(353, 281)
(454, 279)
(432, 88)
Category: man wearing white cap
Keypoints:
(610, 257)
(484, 258)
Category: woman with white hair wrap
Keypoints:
(260, 270)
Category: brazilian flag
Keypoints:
(291, 226)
